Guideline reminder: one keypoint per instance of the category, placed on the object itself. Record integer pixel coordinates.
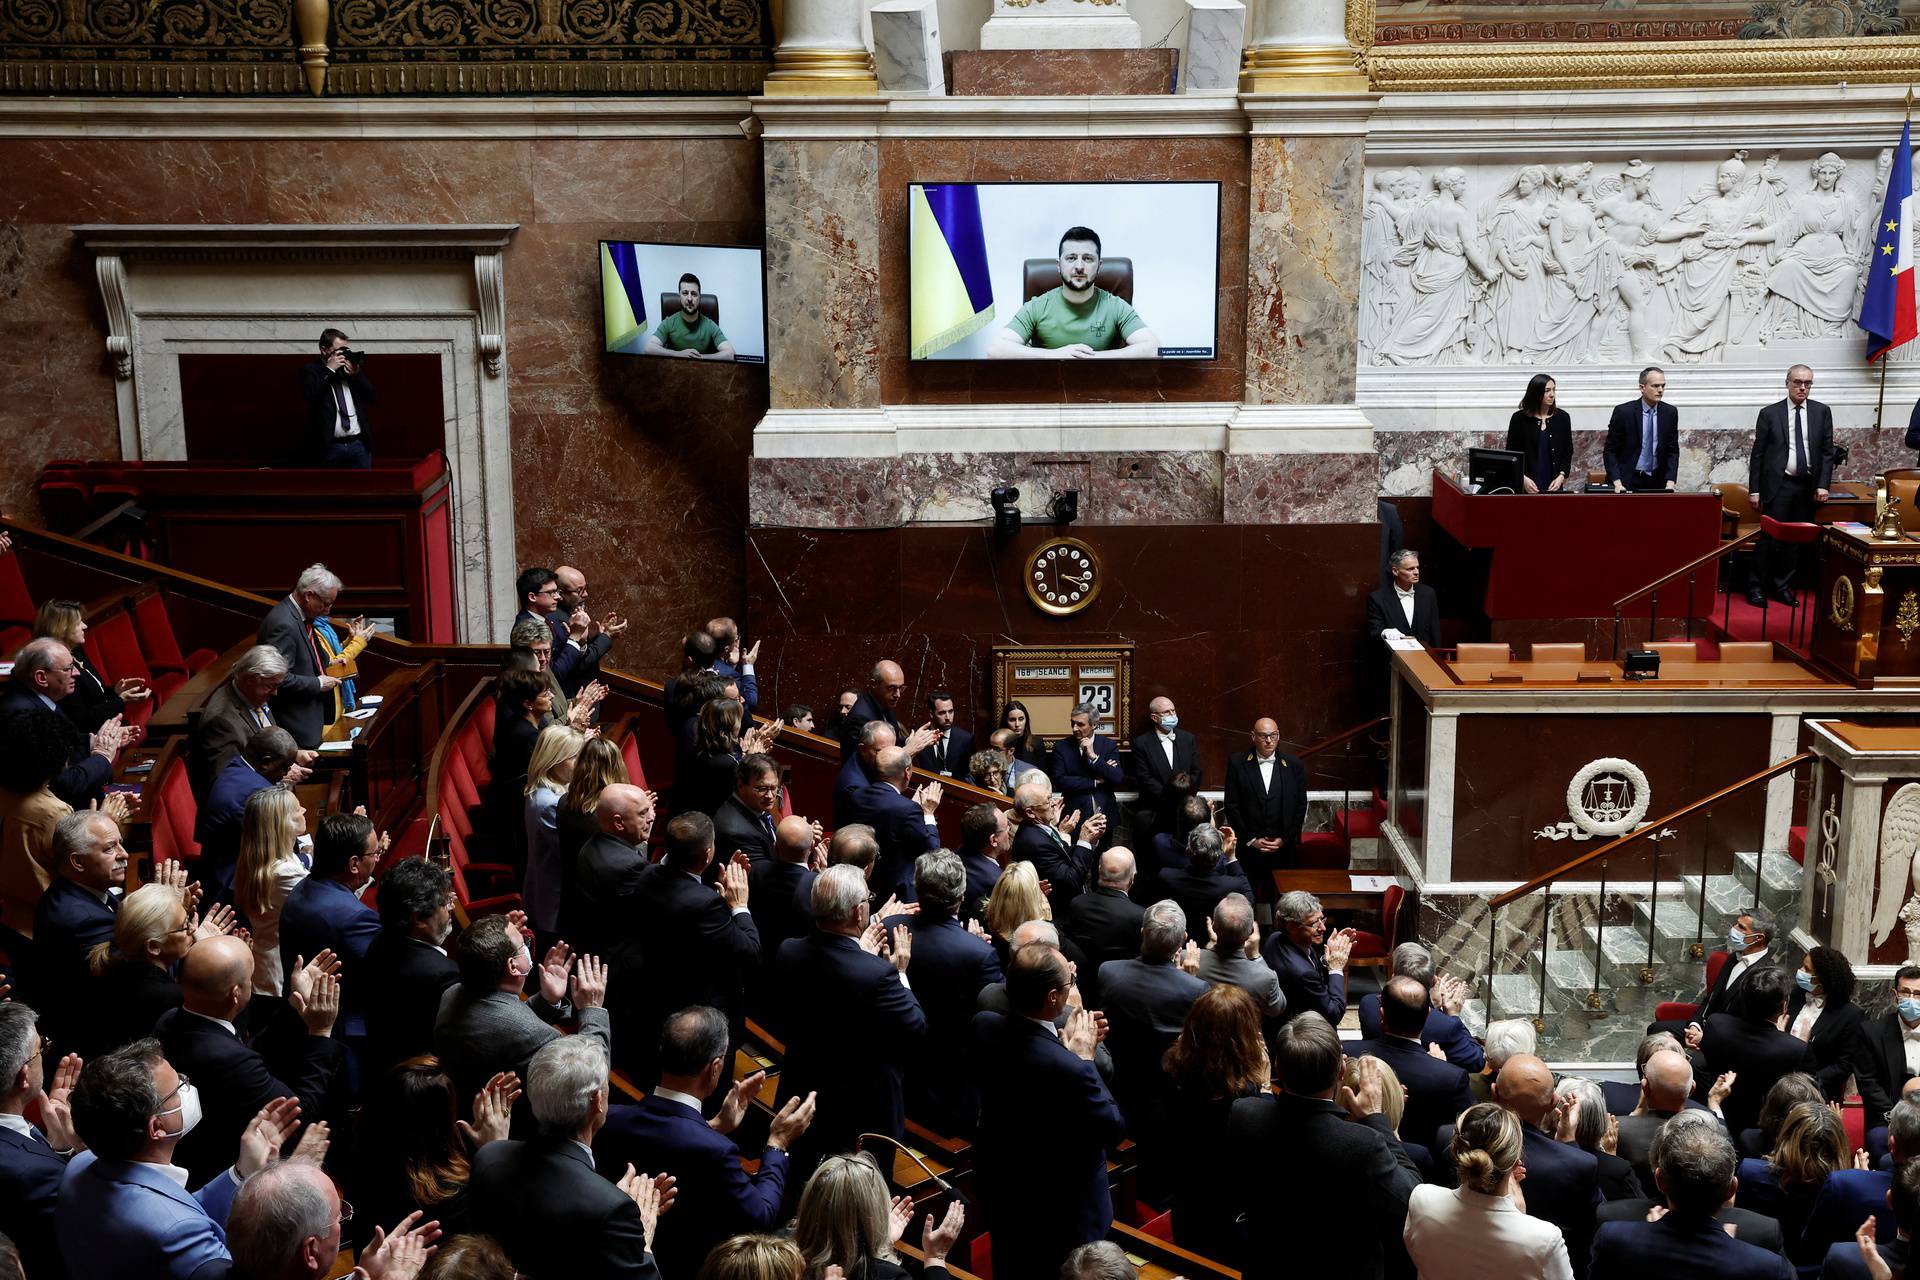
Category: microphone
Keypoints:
(933, 1177)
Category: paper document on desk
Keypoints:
(336, 746)
(1405, 643)
(1371, 884)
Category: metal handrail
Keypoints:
(1343, 735)
(1688, 567)
(1647, 829)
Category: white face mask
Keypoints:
(188, 1105)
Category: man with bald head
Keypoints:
(1165, 766)
(293, 1056)
(1266, 805)
(1437, 1090)
(1563, 1182)
(1666, 1089)
(1105, 921)
(885, 683)
(596, 914)
(901, 816)
(592, 636)
(781, 902)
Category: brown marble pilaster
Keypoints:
(823, 271)
(1303, 269)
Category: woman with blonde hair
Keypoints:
(93, 700)
(268, 868)
(1015, 900)
(1481, 1227)
(1784, 1184)
(134, 971)
(548, 772)
(753, 1258)
(847, 1220)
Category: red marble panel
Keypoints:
(1013, 72)
(908, 160)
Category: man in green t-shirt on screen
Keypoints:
(687, 332)
(1079, 320)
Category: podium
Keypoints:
(1866, 618)
(1571, 555)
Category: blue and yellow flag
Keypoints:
(952, 292)
(625, 306)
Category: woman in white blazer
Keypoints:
(1481, 1228)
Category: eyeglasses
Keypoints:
(184, 1082)
(773, 790)
(1799, 382)
(346, 1211)
(1267, 737)
(185, 926)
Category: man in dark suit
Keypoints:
(1843, 1260)
(745, 820)
(1643, 439)
(1666, 1087)
(1341, 1163)
(1212, 872)
(544, 1201)
(268, 757)
(902, 820)
(238, 709)
(1788, 475)
(852, 1023)
(1746, 1042)
(1436, 1089)
(600, 632)
(1165, 766)
(304, 706)
(1749, 938)
(1696, 1174)
(1749, 1226)
(43, 672)
(1085, 768)
(1146, 1000)
(1046, 1123)
(602, 905)
(1064, 859)
(700, 947)
(781, 903)
(237, 1077)
(1266, 805)
(32, 1158)
(885, 683)
(324, 912)
(986, 846)
(408, 962)
(1563, 1181)
(730, 662)
(952, 747)
(950, 965)
(1445, 996)
(861, 769)
(337, 394)
(1313, 977)
(1105, 922)
(664, 1133)
(1884, 1062)
(579, 640)
(76, 914)
(1402, 606)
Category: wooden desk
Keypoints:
(1781, 672)
(1866, 617)
(1336, 890)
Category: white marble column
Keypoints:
(822, 52)
(1302, 46)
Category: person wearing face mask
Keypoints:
(1165, 766)
(1749, 938)
(408, 962)
(324, 911)
(1822, 1013)
(242, 1067)
(125, 1212)
(1889, 1056)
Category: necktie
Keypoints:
(37, 1135)
(1649, 437)
(345, 425)
(940, 754)
(1799, 444)
(766, 821)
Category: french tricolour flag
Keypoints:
(1887, 313)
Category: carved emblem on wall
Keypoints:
(1605, 798)
(1584, 262)
(1823, 19)
(1907, 620)
(1824, 869)
(1899, 838)
(1840, 606)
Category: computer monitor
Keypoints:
(1495, 470)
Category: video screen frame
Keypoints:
(651, 292)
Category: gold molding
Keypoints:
(94, 76)
(1435, 68)
(1321, 69)
(821, 73)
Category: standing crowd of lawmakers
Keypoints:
(243, 1067)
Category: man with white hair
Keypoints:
(305, 702)
(1446, 995)
(542, 1199)
(1312, 966)
(1507, 1038)
(1666, 1089)
(285, 1225)
(238, 709)
(43, 675)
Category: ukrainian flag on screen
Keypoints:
(620, 297)
(952, 293)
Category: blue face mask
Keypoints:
(1804, 978)
(1910, 1009)
(1170, 721)
(1736, 940)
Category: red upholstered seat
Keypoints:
(114, 648)
(1797, 844)
(459, 796)
(157, 641)
(171, 810)
(1681, 1010)
(1159, 1226)
(473, 906)
(1375, 946)
(1323, 849)
(1853, 1118)
(630, 752)
(980, 1256)
(16, 606)
(66, 505)
(471, 746)
(1789, 530)
(483, 720)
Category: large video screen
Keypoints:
(1063, 270)
(683, 301)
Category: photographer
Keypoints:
(337, 393)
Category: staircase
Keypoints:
(1579, 1027)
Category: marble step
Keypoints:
(1622, 956)
(1728, 895)
(1676, 927)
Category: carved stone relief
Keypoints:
(1592, 262)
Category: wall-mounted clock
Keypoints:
(1063, 576)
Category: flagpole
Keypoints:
(1880, 405)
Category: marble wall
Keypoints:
(1304, 281)
(823, 250)
(602, 446)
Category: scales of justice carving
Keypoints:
(1897, 896)
(1587, 263)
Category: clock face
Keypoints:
(1063, 576)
